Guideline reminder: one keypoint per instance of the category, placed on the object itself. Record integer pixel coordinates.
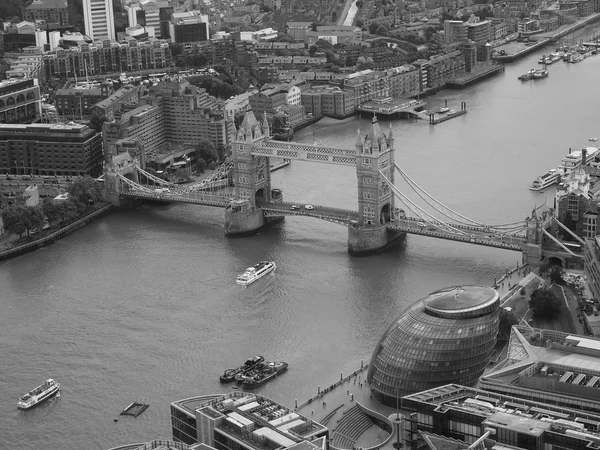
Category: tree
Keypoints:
(14, 220)
(85, 192)
(312, 50)
(507, 320)
(200, 165)
(359, 23)
(313, 26)
(52, 211)
(207, 151)
(96, 122)
(68, 210)
(34, 217)
(544, 302)
(359, 4)
(238, 118)
(544, 268)
(557, 274)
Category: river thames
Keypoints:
(142, 305)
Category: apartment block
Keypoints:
(50, 149)
(20, 101)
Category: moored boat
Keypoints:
(261, 374)
(540, 73)
(527, 76)
(254, 273)
(230, 374)
(543, 181)
(38, 395)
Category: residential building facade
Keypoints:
(20, 101)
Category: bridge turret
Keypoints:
(265, 126)
(375, 155)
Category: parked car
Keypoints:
(294, 207)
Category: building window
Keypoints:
(243, 180)
(368, 195)
(367, 180)
(242, 166)
(367, 162)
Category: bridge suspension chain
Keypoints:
(221, 173)
(420, 212)
(441, 208)
(134, 185)
(154, 178)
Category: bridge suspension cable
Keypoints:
(134, 185)
(420, 212)
(220, 174)
(447, 211)
(154, 178)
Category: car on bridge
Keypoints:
(309, 207)
(421, 224)
(295, 207)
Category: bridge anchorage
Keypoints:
(242, 186)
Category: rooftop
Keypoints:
(48, 4)
(460, 299)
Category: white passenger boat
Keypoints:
(39, 394)
(254, 273)
(545, 180)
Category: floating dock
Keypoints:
(135, 409)
(436, 118)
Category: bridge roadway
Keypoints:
(197, 198)
(335, 215)
(474, 235)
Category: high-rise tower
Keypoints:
(99, 19)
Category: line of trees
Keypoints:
(83, 193)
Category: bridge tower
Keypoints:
(252, 178)
(532, 247)
(374, 153)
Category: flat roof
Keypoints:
(520, 424)
(592, 344)
(292, 424)
(283, 419)
(248, 406)
(240, 418)
(274, 436)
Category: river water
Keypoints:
(142, 305)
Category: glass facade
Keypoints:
(446, 337)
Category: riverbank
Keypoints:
(516, 50)
(54, 236)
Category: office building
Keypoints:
(329, 101)
(20, 101)
(242, 421)
(551, 367)
(472, 415)
(334, 34)
(50, 11)
(480, 32)
(445, 337)
(99, 19)
(50, 149)
(188, 27)
(268, 100)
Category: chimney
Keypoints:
(583, 156)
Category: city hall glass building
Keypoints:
(445, 337)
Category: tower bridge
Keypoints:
(242, 186)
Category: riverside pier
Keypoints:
(439, 117)
(394, 107)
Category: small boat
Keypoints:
(527, 76)
(444, 109)
(540, 73)
(593, 139)
(39, 394)
(261, 374)
(230, 374)
(254, 273)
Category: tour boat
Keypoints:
(254, 273)
(39, 394)
(545, 180)
(593, 139)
